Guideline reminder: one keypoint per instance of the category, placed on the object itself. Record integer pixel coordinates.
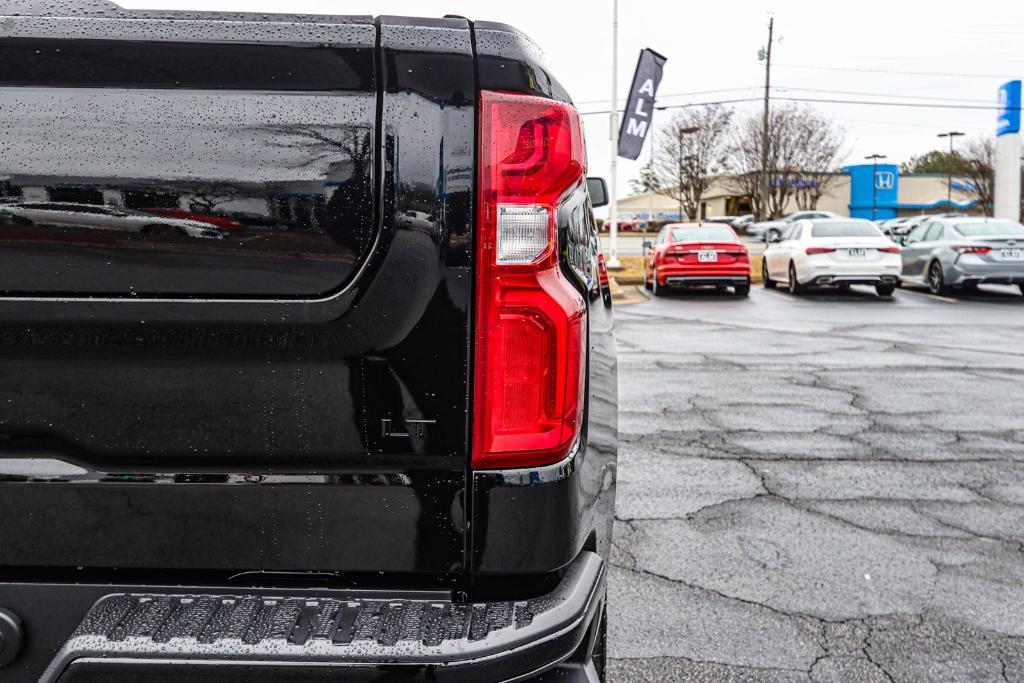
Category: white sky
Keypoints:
(713, 46)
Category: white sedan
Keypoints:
(835, 252)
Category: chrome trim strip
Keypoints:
(545, 474)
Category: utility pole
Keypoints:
(766, 54)
(874, 183)
(952, 135)
(613, 205)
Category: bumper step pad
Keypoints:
(322, 631)
(253, 620)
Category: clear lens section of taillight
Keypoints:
(530, 321)
(523, 234)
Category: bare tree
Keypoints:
(820, 144)
(691, 149)
(647, 181)
(804, 148)
(976, 160)
(210, 195)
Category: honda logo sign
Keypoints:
(885, 180)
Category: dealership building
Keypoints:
(850, 193)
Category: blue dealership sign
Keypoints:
(874, 190)
(1009, 108)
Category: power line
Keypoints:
(822, 100)
(906, 124)
(890, 71)
(686, 94)
(681, 106)
(927, 105)
(787, 88)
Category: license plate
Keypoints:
(707, 256)
(857, 253)
(1012, 254)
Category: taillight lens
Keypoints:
(820, 250)
(971, 249)
(530, 340)
(889, 250)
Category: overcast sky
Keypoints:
(945, 53)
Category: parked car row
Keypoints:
(902, 226)
(947, 253)
(772, 230)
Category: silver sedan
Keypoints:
(962, 253)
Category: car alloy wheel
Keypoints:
(936, 282)
(766, 279)
(655, 287)
(794, 285)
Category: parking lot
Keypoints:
(828, 488)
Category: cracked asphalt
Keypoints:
(828, 488)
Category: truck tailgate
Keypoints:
(234, 293)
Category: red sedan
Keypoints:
(696, 255)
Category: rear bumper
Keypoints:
(960, 275)
(706, 280)
(341, 635)
(840, 279)
(706, 274)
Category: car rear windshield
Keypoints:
(844, 230)
(990, 229)
(705, 234)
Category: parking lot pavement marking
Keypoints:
(937, 297)
(777, 294)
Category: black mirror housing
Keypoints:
(598, 191)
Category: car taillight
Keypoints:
(889, 250)
(971, 249)
(530, 339)
(820, 250)
(602, 270)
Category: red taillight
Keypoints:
(971, 249)
(820, 250)
(530, 340)
(602, 270)
(889, 250)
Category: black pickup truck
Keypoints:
(307, 366)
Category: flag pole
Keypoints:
(613, 205)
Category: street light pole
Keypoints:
(765, 187)
(874, 183)
(613, 205)
(952, 135)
